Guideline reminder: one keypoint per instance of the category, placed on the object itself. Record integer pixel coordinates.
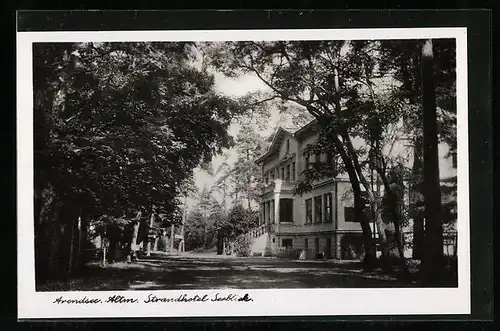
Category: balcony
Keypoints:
(279, 185)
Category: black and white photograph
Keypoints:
(220, 170)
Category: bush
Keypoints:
(242, 246)
(352, 246)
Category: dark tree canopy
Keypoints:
(122, 125)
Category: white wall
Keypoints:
(270, 163)
(293, 146)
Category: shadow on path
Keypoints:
(168, 273)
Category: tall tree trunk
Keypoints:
(172, 238)
(44, 234)
(384, 245)
(395, 205)
(55, 240)
(81, 257)
(205, 237)
(104, 249)
(418, 220)
(72, 244)
(220, 245)
(135, 234)
(151, 220)
(359, 214)
(220, 235)
(399, 242)
(357, 178)
(183, 225)
(432, 263)
(349, 159)
(113, 246)
(166, 242)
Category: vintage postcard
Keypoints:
(242, 173)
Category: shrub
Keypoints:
(242, 246)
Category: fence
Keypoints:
(449, 242)
(291, 253)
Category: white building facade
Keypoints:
(322, 220)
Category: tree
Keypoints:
(204, 221)
(224, 183)
(195, 234)
(355, 90)
(404, 58)
(240, 221)
(432, 267)
(245, 173)
(111, 135)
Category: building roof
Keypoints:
(280, 134)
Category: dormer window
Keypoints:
(288, 145)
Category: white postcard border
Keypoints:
(276, 302)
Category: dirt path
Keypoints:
(206, 272)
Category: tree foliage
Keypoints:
(119, 127)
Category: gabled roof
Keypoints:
(305, 129)
(280, 134)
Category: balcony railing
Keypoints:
(258, 231)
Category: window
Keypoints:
(349, 214)
(293, 171)
(272, 211)
(316, 245)
(266, 178)
(272, 174)
(306, 243)
(317, 209)
(283, 173)
(318, 157)
(268, 209)
(287, 243)
(287, 172)
(309, 211)
(328, 207)
(286, 210)
(288, 145)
